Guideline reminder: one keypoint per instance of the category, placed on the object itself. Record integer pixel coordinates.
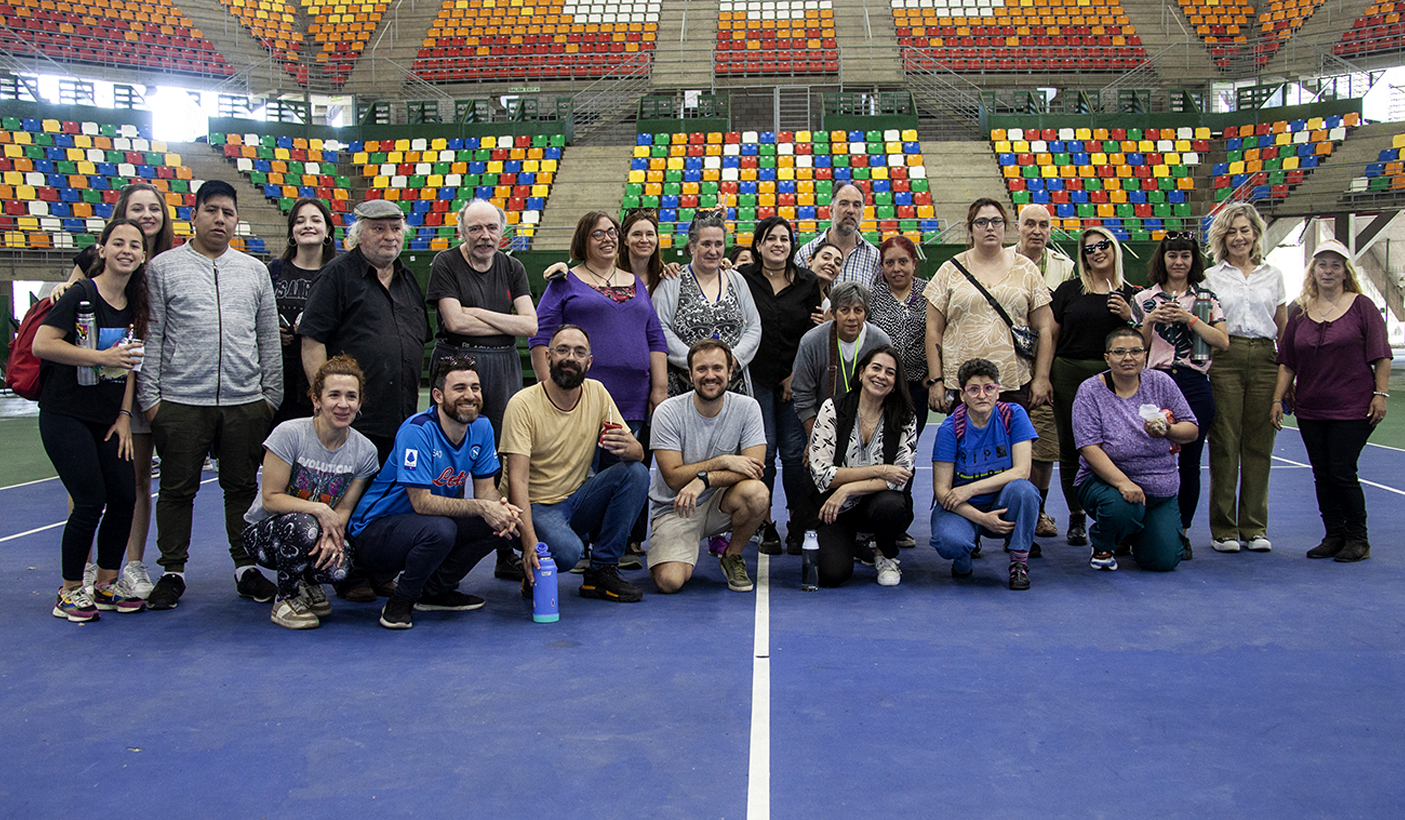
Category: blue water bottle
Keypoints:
(545, 608)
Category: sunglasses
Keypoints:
(1098, 246)
(651, 213)
(1180, 235)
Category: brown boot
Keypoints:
(1356, 549)
(1330, 546)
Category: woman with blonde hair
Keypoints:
(1086, 309)
(1242, 379)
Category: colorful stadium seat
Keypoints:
(152, 35)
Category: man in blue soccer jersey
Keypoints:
(419, 518)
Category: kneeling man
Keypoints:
(709, 444)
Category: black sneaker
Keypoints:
(450, 600)
(1035, 551)
(770, 543)
(795, 542)
(1123, 550)
(1019, 576)
(1077, 531)
(167, 592)
(508, 567)
(605, 583)
(253, 585)
(396, 614)
(1187, 553)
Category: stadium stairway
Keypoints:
(688, 66)
(412, 22)
(264, 218)
(1326, 188)
(1159, 23)
(1324, 29)
(590, 178)
(234, 42)
(868, 43)
(962, 172)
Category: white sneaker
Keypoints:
(1225, 545)
(888, 573)
(90, 577)
(137, 579)
(292, 613)
(1259, 544)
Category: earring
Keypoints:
(291, 243)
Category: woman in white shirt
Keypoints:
(1242, 379)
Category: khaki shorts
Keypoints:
(1046, 447)
(675, 538)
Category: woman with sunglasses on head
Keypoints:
(139, 203)
(310, 246)
(1171, 331)
(785, 295)
(707, 302)
(1242, 378)
(1335, 358)
(1085, 310)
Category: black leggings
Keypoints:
(283, 543)
(884, 513)
(1333, 447)
(1195, 386)
(97, 479)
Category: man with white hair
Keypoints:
(861, 259)
(1036, 229)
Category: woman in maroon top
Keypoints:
(1335, 359)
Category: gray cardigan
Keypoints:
(813, 361)
(212, 339)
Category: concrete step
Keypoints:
(263, 217)
(591, 179)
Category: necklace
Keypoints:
(604, 280)
(1323, 314)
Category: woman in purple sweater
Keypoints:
(1336, 350)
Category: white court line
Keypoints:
(1368, 444)
(1362, 480)
(758, 782)
(27, 483)
(65, 521)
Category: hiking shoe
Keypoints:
(888, 573)
(1225, 544)
(1258, 544)
(769, 542)
(315, 598)
(906, 542)
(1103, 561)
(606, 584)
(717, 545)
(450, 600)
(166, 593)
(137, 579)
(734, 567)
(253, 585)
(396, 614)
(115, 597)
(75, 605)
(1077, 531)
(1330, 546)
(1047, 527)
(508, 567)
(293, 613)
(90, 576)
(1356, 549)
(1019, 576)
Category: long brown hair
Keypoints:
(329, 245)
(165, 238)
(654, 274)
(136, 290)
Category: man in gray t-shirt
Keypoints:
(708, 444)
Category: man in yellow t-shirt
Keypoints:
(550, 433)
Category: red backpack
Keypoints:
(22, 370)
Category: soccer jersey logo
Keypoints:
(412, 459)
(474, 451)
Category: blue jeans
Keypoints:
(604, 458)
(784, 433)
(1151, 527)
(954, 536)
(604, 508)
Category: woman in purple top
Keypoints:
(1127, 472)
(1335, 348)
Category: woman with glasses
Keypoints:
(785, 295)
(1127, 476)
(1335, 358)
(1178, 343)
(1085, 310)
(639, 251)
(1242, 379)
(707, 302)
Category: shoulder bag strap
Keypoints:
(977, 283)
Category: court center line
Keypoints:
(1362, 480)
(758, 782)
(65, 521)
(27, 483)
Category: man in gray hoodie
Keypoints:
(212, 375)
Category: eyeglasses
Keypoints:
(1124, 352)
(1097, 246)
(1180, 235)
(977, 390)
(568, 352)
(992, 222)
(601, 233)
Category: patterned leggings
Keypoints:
(282, 543)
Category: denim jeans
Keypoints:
(954, 536)
(786, 435)
(604, 508)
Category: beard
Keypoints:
(567, 375)
(463, 412)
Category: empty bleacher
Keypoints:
(274, 24)
(1264, 161)
(1224, 25)
(1278, 19)
(341, 30)
(151, 35)
(1379, 29)
(474, 40)
(783, 37)
(1387, 173)
(791, 174)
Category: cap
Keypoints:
(378, 209)
(1332, 246)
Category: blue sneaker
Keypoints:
(1103, 561)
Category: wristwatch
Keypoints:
(930, 382)
(702, 476)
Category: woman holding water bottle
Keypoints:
(1181, 322)
(89, 350)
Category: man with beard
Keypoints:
(862, 260)
(709, 444)
(418, 517)
(550, 433)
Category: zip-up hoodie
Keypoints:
(213, 335)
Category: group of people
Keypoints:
(828, 356)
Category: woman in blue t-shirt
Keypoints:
(86, 428)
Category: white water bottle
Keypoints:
(810, 562)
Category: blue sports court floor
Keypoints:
(1248, 685)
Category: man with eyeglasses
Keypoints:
(862, 260)
(980, 476)
(434, 511)
(550, 434)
